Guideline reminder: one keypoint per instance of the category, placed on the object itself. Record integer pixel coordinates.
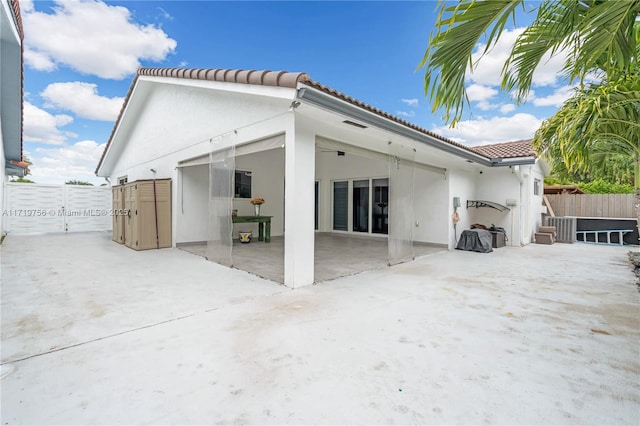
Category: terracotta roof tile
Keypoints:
(15, 6)
(521, 148)
(20, 164)
(291, 80)
(265, 77)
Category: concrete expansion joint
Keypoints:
(97, 339)
(12, 361)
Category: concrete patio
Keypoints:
(336, 255)
(94, 333)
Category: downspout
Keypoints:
(108, 181)
(518, 172)
(527, 212)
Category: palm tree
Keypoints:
(600, 122)
(597, 35)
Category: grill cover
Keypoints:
(478, 240)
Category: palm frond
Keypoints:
(553, 31)
(602, 119)
(447, 60)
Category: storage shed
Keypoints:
(142, 214)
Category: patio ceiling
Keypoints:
(331, 125)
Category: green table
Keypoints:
(262, 221)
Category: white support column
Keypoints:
(176, 202)
(299, 204)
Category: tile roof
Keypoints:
(291, 80)
(264, 78)
(21, 164)
(521, 148)
(15, 7)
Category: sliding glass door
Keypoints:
(361, 205)
(341, 206)
(380, 206)
(367, 207)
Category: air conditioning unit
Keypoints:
(566, 228)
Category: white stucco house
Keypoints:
(11, 87)
(324, 162)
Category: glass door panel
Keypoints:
(361, 205)
(380, 206)
(316, 207)
(401, 204)
(340, 206)
(221, 192)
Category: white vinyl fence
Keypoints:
(37, 208)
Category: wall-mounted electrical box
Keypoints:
(456, 202)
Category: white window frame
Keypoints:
(536, 187)
(234, 184)
(350, 206)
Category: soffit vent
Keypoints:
(351, 123)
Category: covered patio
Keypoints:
(336, 255)
(351, 233)
(320, 161)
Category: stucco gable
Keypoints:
(294, 80)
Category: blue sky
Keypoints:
(81, 56)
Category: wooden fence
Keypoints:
(593, 205)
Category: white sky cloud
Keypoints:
(92, 38)
(507, 108)
(69, 162)
(38, 61)
(549, 72)
(488, 69)
(483, 131)
(164, 14)
(26, 6)
(486, 106)
(43, 127)
(411, 102)
(478, 92)
(556, 99)
(408, 114)
(83, 100)
(482, 96)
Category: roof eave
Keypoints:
(515, 161)
(12, 169)
(328, 102)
